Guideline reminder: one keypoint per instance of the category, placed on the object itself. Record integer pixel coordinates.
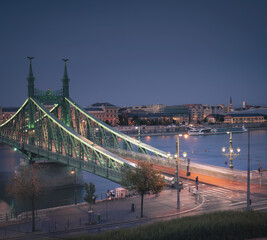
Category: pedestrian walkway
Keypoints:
(104, 212)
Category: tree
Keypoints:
(144, 179)
(90, 197)
(25, 185)
(90, 193)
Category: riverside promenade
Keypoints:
(107, 214)
(73, 220)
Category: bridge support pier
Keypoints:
(55, 175)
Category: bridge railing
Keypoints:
(169, 162)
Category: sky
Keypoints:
(136, 52)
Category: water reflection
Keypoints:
(207, 149)
(9, 159)
(201, 149)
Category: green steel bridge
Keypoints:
(70, 135)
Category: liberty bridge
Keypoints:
(69, 135)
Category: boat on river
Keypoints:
(196, 131)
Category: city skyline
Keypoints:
(136, 52)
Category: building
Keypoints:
(244, 105)
(244, 118)
(144, 118)
(6, 113)
(215, 118)
(106, 112)
(211, 118)
(165, 115)
(207, 110)
(196, 112)
(221, 109)
(148, 108)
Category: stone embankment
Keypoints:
(173, 129)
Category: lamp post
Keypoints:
(138, 133)
(231, 154)
(139, 139)
(248, 177)
(73, 172)
(177, 166)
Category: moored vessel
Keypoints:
(194, 131)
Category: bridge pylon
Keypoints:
(69, 135)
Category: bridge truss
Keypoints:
(70, 135)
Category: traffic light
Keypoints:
(197, 182)
(187, 171)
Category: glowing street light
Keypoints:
(138, 128)
(177, 165)
(231, 154)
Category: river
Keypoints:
(200, 149)
(207, 149)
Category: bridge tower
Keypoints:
(30, 80)
(31, 107)
(65, 105)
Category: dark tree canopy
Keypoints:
(25, 185)
(90, 193)
(144, 179)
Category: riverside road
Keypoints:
(72, 220)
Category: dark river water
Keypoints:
(200, 149)
(208, 149)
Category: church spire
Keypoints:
(231, 103)
(30, 80)
(65, 80)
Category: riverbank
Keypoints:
(160, 130)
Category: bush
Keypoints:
(215, 226)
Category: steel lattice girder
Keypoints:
(53, 136)
(33, 124)
(128, 141)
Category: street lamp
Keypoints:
(248, 174)
(138, 133)
(177, 166)
(231, 154)
(138, 148)
(73, 172)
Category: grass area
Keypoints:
(218, 225)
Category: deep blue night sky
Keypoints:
(134, 52)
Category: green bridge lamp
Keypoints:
(231, 154)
